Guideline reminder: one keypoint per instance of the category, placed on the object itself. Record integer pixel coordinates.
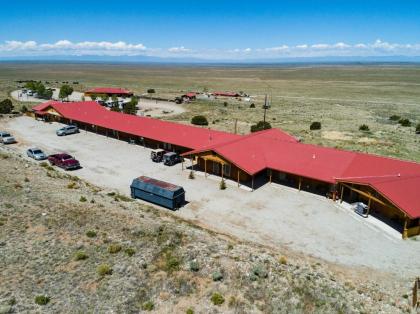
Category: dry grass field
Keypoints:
(340, 97)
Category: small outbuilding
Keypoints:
(158, 192)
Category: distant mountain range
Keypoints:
(190, 60)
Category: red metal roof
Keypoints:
(109, 90)
(397, 180)
(169, 132)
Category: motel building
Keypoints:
(389, 187)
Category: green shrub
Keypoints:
(114, 248)
(260, 126)
(418, 128)
(23, 109)
(104, 269)
(260, 271)
(222, 185)
(315, 126)
(252, 105)
(6, 106)
(191, 175)
(82, 199)
(217, 299)
(91, 233)
(130, 251)
(43, 164)
(364, 127)
(404, 122)
(172, 262)
(217, 276)
(80, 256)
(71, 185)
(42, 299)
(151, 91)
(225, 103)
(194, 266)
(189, 311)
(199, 120)
(394, 118)
(148, 306)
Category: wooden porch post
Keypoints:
(300, 183)
(369, 203)
(238, 177)
(342, 191)
(205, 167)
(252, 183)
(271, 173)
(192, 164)
(106, 132)
(405, 231)
(222, 169)
(118, 135)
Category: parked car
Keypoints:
(361, 209)
(157, 155)
(36, 154)
(67, 130)
(65, 161)
(7, 138)
(170, 159)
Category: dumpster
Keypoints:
(158, 192)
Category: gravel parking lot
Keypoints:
(271, 215)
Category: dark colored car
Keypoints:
(65, 161)
(157, 155)
(170, 159)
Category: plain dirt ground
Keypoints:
(271, 215)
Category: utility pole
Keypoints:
(266, 106)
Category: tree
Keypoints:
(104, 97)
(116, 108)
(315, 126)
(6, 106)
(114, 99)
(131, 106)
(199, 120)
(40, 89)
(261, 125)
(394, 117)
(93, 96)
(65, 91)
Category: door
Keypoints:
(216, 168)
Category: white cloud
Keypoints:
(179, 49)
(15, 48)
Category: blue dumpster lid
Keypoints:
(157, 187)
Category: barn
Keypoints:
(390, 187)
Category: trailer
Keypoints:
(158, 192)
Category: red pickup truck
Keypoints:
(64, 161)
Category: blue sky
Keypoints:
(210, 29)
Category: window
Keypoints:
(226, 170)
